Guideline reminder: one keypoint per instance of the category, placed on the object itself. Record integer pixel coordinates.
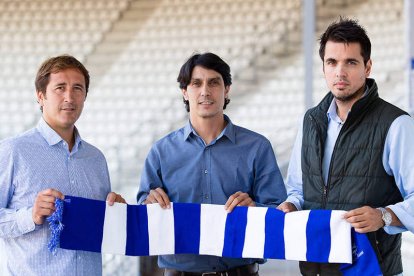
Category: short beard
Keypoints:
(356, 95)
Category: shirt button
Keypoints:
(205, 171)
(72, 181)
(206, 196)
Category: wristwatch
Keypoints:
(386, 216)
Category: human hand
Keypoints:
(44, 205)
(287, 207)
(238, 199)
(158, 196)
(114, 197)
(365, 219)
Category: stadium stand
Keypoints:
(134, 49)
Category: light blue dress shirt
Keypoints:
(34, 161)
(191, 171)
(397, 159)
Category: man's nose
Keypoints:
(340, 71)
(205, 90)
(69, 95)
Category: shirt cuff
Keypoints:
(392, 230)
(295, 201)
(25, 221)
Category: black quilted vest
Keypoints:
(356, 175)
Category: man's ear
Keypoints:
(40, 97)
(185, 94)
(226, 91)
(368, 67)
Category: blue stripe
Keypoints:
(88, 234)
(412, 64)
(235, 232)
(274, 247)
(137, 243)
(318, 236)
(187, 228)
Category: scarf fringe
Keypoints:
(56, 227)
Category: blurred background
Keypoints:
(135, 48)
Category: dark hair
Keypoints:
(208, 61)
(347, 31)
(57, 64)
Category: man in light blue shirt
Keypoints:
(210, 160)
(46, 163)
(354, 152)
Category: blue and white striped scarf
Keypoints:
(206, 229)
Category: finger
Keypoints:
(165, 197)
(150, 198)
(45, 205)
(360, 224)
(233, 204)
(39, 214)
(53, 193)
(245, 202)
(354, 214)
(363, 230)
(352, 219)
(281, 208)
(110, 198)
(284, 207)
(45, 198)
(231, 199)
(43, 212)
(41, 208)
(155, 197)
(120, 199)
(359, 211)
(161, 197)
(147, 200)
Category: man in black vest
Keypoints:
(354, 152)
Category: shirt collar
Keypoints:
(51, 136)
(333, 115)
(228, 131)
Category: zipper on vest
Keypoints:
(324, 196)
(327, 187)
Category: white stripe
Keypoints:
(160, 230)
(341, 251)
(295, 235)
(115, 229)
(255, 233)
(212, 227)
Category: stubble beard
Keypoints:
(351, 97)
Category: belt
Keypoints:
(251, 269)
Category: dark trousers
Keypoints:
(318, 269)
(246, 270)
